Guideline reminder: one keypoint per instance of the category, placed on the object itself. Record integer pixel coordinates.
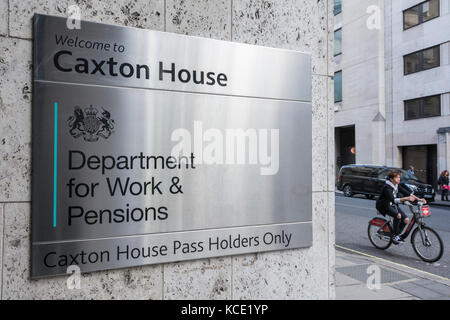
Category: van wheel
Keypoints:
(348, 192)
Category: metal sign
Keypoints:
(151, 147)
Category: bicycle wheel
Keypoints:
(430, 247)
(379, 240)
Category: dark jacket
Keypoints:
(387, 199)
(443, 180)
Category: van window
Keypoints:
(383, 174)
(373, 172)
(360, 171)
(408, 176)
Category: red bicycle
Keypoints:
(426, 242)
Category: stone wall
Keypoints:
(303, 25)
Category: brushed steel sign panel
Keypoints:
(101, 254)
(132, 163)
(161, 60)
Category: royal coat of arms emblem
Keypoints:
(89, 124)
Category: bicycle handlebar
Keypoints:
(411, 206)
(419, 203)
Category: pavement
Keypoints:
(438, 202)
(360, 276)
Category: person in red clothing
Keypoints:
(443, 185)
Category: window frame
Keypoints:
(420, 5)
(334, 9)
(421, 107)
(334, 76)
(334, 37)
(421, 60)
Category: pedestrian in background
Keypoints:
(411, 169)
(443, 185)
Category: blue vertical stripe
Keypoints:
(55, 166)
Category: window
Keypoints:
(431, 58)
(411, 62)
(338, 86)
(373, 172)
(420, 13)
(422, 60)
(337, 6)
(338, 42)
(412, 109)
(430, 10)
(423, 107)
(383, 174)
(432, 106)
(411, 17)
(362, 171)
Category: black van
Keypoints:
(369, 180)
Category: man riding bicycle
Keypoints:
(388, 203)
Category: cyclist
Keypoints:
(388, 203)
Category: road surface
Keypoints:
(353, 215)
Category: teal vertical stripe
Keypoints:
(55, 166)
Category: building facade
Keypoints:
(293, 274)
(359, 81)
(418, 98)
(405, 73)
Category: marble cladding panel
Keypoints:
(290, 24)
(147, 14)
(133, 283)
(204, 18)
